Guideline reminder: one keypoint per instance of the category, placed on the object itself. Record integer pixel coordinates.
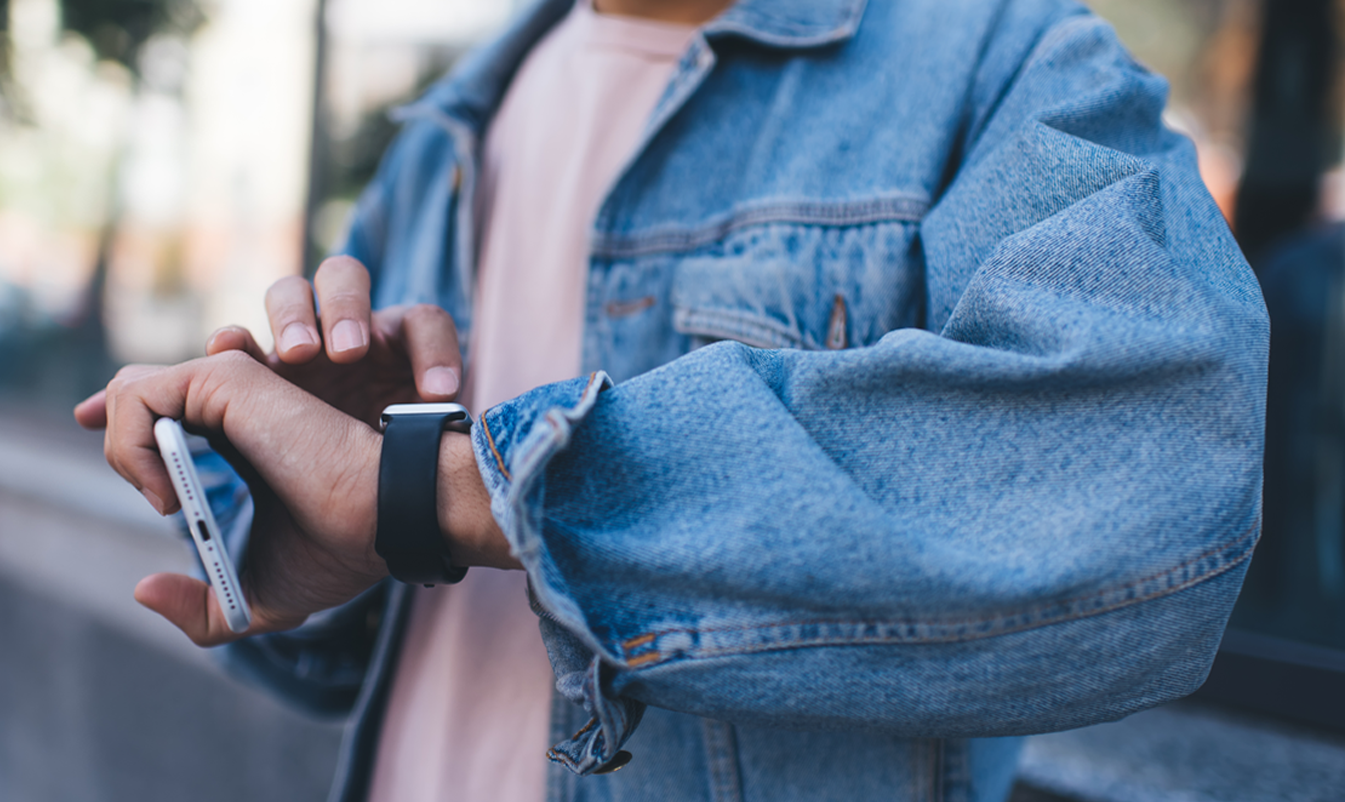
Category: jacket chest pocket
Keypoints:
(801, 286)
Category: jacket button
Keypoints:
(615, 764)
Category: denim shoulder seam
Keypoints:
(664, 646)
(900, 207)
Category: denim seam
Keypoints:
(935, 765)
(619, 309)
(897, 208)
(564, 759)
(645, 659)
(721, 755)
(745, 327)
(635, 643)
(558, 756)
(490, 440)
(915, 633)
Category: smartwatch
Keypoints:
(408, 538)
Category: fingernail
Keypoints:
(295, 335)
(346, 335)
(154, 501)
(440, 381)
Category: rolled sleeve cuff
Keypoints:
(514, 442)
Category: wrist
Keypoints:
(473, 536)
(371, 445)
(409, 538)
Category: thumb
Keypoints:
(188, 604)
(191, 606)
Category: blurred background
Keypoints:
(163, 161)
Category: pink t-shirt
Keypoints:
(468, 717)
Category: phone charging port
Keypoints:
(201, 531)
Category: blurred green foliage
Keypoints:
(118, 29)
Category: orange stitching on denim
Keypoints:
(562, 758)
(635, 643)
(628, 308)
(712, 652)
(491, 440)
(636, 662)
(591, 377)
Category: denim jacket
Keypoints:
(923, 407)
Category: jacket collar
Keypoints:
(789, 24)
(471, 93)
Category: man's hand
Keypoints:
(354, 359)
(312, 466)
(360, 362)
(314, 476)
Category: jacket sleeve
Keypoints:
(1033, 516)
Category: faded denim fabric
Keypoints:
(925, 406)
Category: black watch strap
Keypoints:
(408, 538)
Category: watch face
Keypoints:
(452, 412)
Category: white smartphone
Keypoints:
(201, 522)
